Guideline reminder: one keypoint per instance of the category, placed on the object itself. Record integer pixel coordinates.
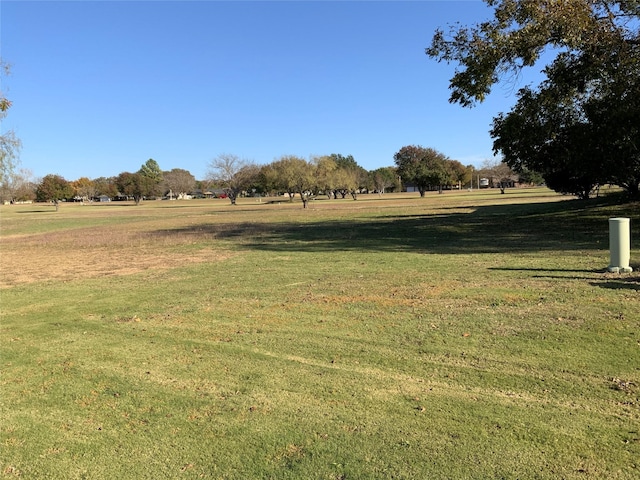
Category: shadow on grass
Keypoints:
(567, 225)
(550, 270)
(624, 282)
(619, 285)
(40, 210)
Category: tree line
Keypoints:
(230, 176)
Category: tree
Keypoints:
(293, 175)
(549, 134)
(384, 178)
(346, 182)
(422, 167)
(326, 169)
(132, 185)
(178, 182)
(350, 176)
(145, 183)
(106, 186)
(54, 188)
(593, 79)
(151, 178)
(614, 113)
(84, 188)
(250, 179)
(456, 173)
(9, 144)
(19, 187)
(233, 174)
(498, 173)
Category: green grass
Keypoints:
(463, 335)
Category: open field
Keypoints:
(468, 335)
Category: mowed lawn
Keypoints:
(468, 335)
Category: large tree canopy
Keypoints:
(520, 32)
(580, 126)
(132, 185)
(422, 167)
(54, 188)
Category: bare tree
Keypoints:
(232, 174)
(19, 186)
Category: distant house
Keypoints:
(103, 198)
(215, 193)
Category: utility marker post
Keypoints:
(619, 245)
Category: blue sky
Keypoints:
(99, 87)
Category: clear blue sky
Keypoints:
(99, 87)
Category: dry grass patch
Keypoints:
(96, 252)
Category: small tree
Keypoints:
(132, 185)
(232, 173)
(179, 182)
(350, 176)
(457, 173)
(54, 188)
(18, 187)
(106, 186)
(84, 188)
(498, 173)
(293, 175)
(384, 178)
(326, 169)
(423, 167)
(151, 178)
(250, 180)
(347, 182)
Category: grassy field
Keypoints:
(468, 335)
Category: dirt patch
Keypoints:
(78, 254)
